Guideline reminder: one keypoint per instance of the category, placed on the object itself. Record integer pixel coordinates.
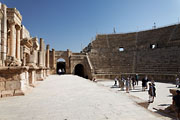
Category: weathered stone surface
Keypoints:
(2, 79)
(160, 61)
(18, 93)
(16, 77)
(7, 93)
(12, 85)
(2, 86)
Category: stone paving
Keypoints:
(162, 100)
(69, 97)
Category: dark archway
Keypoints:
(61, 66)
(79, 70)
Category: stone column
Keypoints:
(47, 56)
(12, 47)
(18, 42)
(1, 15)
(40, 56)
(41, 44)
(53, 58)
(3, 33)
(24, 59)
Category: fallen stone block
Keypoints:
(18, 93)
(2, 86)
(7, 93)
(13, 85)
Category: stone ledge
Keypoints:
(7, 93)
(19, 93)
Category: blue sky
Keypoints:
(66, 24)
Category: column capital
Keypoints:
(47, 47)
(11, 22)
(18, 27)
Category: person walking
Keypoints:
(176, 104)
(127, 84)
(151, 92)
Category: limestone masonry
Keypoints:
(25, 59)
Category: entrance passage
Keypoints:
(61, 66)
(79, 70)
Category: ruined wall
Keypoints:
(22, 60)
(153, 52)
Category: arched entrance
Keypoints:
(79, 70)
(61, 66)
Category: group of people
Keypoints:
(130, 82)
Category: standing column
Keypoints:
(18, 42)
(41, 53)
(53, 58)
(24, 59)
(1, 16)
(47, 56)
(12, 47)
(4, 33)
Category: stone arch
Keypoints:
(61, 65)
(79, 70)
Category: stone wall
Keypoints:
(153, 52)
(23, 59)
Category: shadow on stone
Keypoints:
(144, 104)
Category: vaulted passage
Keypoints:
(61, 66)
(79, 70)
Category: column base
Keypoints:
(11, 61)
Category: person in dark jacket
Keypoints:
(144, 83)
(176, 103)
(151, 92)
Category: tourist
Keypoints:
(177, 81)
(146, 81)
(151, 92)
(59, 71)
(121, 83)
(143, 84)
(133, 82)
(130, 83)
(127, 84)
(176, 103)
(94, 79)
(115, 81)
(136, 77)
(152, 81)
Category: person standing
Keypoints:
(152, 81)
(127, 84)
(151, 92)
(133, 82)
(177, 81)
(115, 81)
(122, 83)
(137, 78)
(146, 81)
(176, 103)
(143, 84)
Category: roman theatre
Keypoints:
(24, 59)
